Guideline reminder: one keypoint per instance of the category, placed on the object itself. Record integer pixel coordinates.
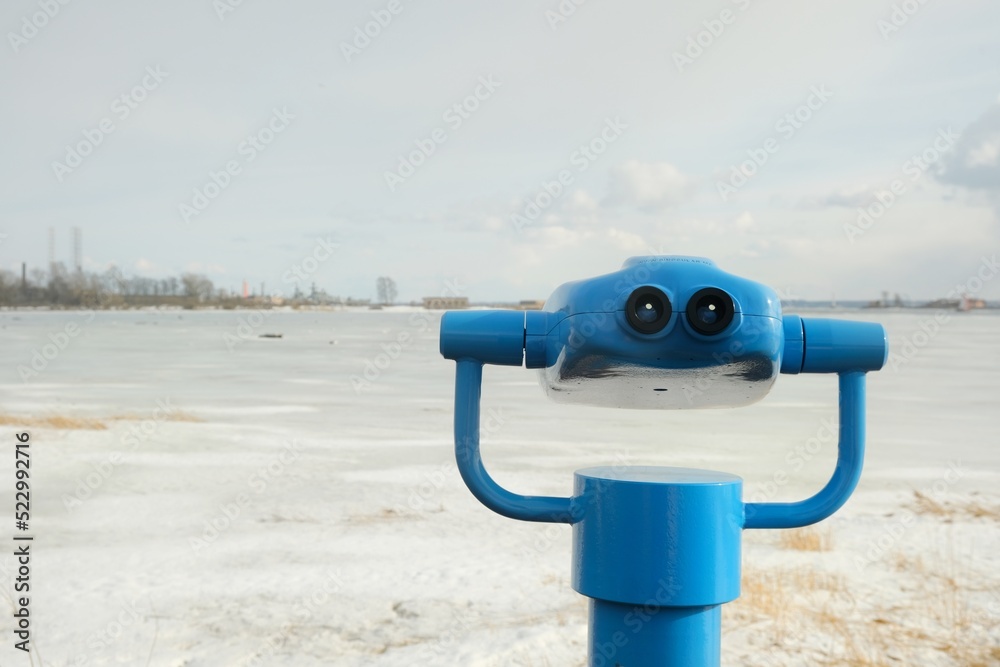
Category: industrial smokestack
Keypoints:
(77, 249)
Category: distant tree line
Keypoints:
(62, 288)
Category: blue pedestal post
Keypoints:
(631, 636)
(658, 551)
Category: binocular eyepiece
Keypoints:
(709, 310)
(662, 332)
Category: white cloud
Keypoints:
(580, 201)
(143, 265)
(745, 222)
(986, 154)
(648, 186)
(975, 162)
(849, 197)
(633, 244)
(755, 249)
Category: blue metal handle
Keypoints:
(850, 458)
(468, 389)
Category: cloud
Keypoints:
(846, 197)
(987, 155)
(648, 186)
(629, 242)
(745, 223)
(575, 210)
(755, 249)
(581, 203)
(975, 162)
(143, 265)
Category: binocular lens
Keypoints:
(648, 310)
(710, 311)
(707, 314)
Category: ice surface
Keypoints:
(345, 535)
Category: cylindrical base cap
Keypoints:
(668, 537)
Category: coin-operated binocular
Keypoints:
(657, 549)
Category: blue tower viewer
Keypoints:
(657, 549)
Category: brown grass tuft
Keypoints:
(806, 539)
(924, 504)
(53, 421)
(763, 594)
(951, 509)
(68, 422)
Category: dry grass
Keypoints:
(766, 594)
(903, 562)
(924, 504)
(951, 509)
(53, 421)
(937, 617)
(68, 422)
(865, 646)
(806, 539)
(763, 595)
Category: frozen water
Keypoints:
(299, 506)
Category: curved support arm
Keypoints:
(468, 388)
(850, 457)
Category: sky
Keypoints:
(496, 150)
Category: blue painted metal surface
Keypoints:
(651, 533)
(793, 343)
(594, 356)
(836, 346)
(648, 635)
(850, 458)
(658, 549)
(468, 386)
(491, 336)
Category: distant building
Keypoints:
(530, 304)
(885, 302)
(971, 304)
(944, 304)
(446, 302)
